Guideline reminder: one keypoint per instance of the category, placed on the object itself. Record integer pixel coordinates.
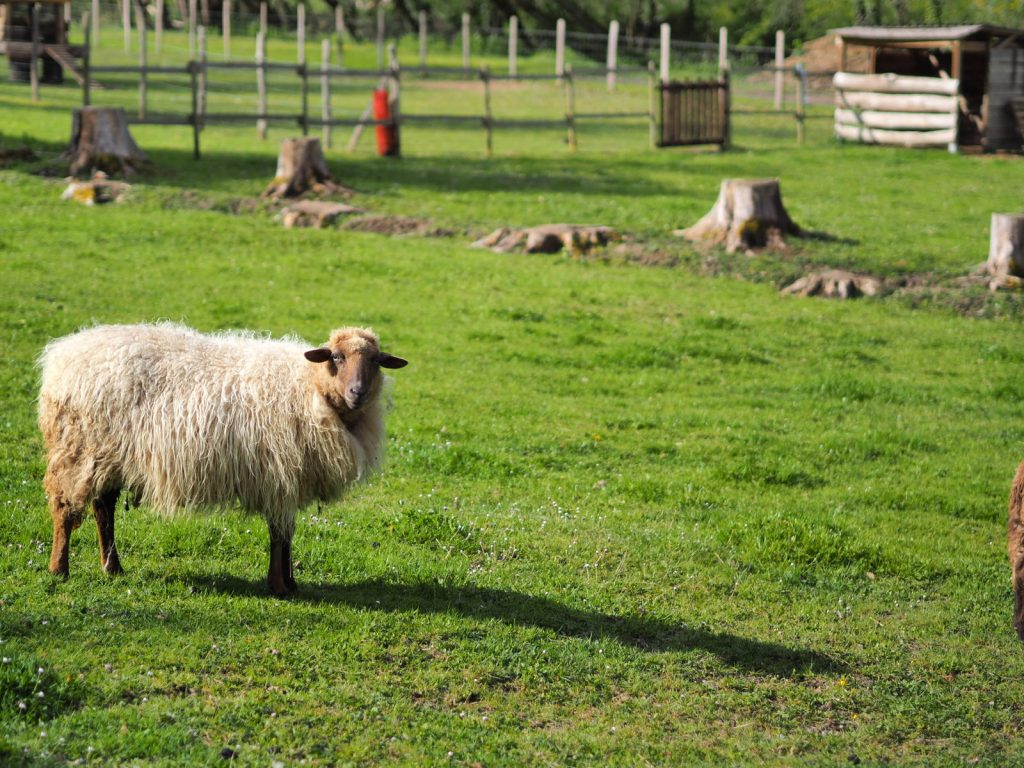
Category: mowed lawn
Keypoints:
(630, 515)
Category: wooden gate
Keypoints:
(695, 113)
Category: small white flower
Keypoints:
(40, 694)
(22, 706)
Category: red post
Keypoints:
(387, 135)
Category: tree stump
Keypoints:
(301, 168)
(1006, 245)
(834, 284)
(100, 141)
(748, 214)
(548, 238)
(316, 214)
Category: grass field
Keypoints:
(630, 515)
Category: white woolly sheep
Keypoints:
(184, 420)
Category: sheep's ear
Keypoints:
(390, 361)
(321, 355)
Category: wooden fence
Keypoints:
(197, 72)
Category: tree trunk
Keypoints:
(1006, 245)
(100, 141)
(748, 214)
(301, 168)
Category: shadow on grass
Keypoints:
(248, 171)
(646, 634)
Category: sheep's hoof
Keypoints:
(113, 566)
(60, 572)
(278, 590)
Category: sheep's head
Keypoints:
(352, 360)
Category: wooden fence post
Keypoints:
(570, 108)
(191, 29)
(300, 34)
(612, 61)
(395, 95)
(325, 90)
(86, 76)
(263, 21)
(652, 123)
(339, 31)
(513, 45)
(801, 102)
(560, 47)
(33, 74)
(380, 36)
(193, 69)
(140, 21)
(666, 41)
(158, 27)
(723, 48)
(225, 26)
(303, 73)
(465, 42)
(202, 74)
(485, 76)
(261, 83)
(96, 23)
(780, 62)
(423, 38)
(126, 23)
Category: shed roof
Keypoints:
(871, 35)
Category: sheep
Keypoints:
(184, 420)
(1015, 544)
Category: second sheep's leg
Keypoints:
(280, 569)
(289, 574)
(103, 510)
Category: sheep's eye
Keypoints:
(338, 357)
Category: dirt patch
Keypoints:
(192, 200)
(397, 226)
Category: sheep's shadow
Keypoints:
(643, 633)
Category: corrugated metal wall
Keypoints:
(1005, 83)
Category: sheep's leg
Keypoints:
(103, 509)
(66, 510)
(276, 574)
(1016, 548)
(64, 522)
(289, 574)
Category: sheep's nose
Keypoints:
(355, 393)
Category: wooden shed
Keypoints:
(960, 87)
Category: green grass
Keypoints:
(630, 515)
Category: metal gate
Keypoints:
(695, 113)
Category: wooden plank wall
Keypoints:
(896, 109)
(1006, 83)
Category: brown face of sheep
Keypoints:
(355, 364)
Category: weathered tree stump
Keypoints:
(748, 214)
(316, 214)
(547, 238)
(1006, 245)
(834, 284)
(100, 141)
(301, 168)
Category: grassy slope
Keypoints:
(630, 515)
